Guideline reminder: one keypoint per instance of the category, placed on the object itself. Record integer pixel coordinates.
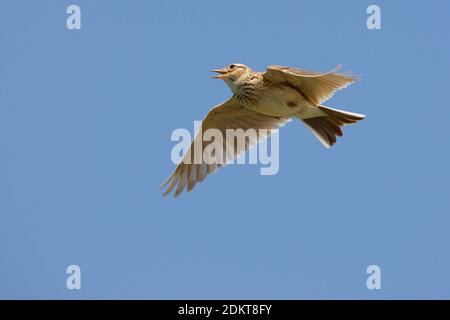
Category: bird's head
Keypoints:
(232, 73)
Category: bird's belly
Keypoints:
(280, 103)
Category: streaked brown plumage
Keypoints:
(267, 101)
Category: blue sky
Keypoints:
(85, 124)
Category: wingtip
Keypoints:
(165, 182)
(355, 77)
(166, 193)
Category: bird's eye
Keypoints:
(232, 66)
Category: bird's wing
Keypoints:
(315, 87)
(228, 115)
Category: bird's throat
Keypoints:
(233, 85)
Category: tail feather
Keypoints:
(327, 127)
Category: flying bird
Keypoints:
(267, 100)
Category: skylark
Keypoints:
(267, 100)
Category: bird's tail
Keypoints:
(327, 127)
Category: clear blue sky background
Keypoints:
(85, 124)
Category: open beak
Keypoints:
(221, 73)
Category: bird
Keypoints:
(267, 100)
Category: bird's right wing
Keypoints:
(228, 115)
(314, 86)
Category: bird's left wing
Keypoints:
(228, 115)
(314, 86)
